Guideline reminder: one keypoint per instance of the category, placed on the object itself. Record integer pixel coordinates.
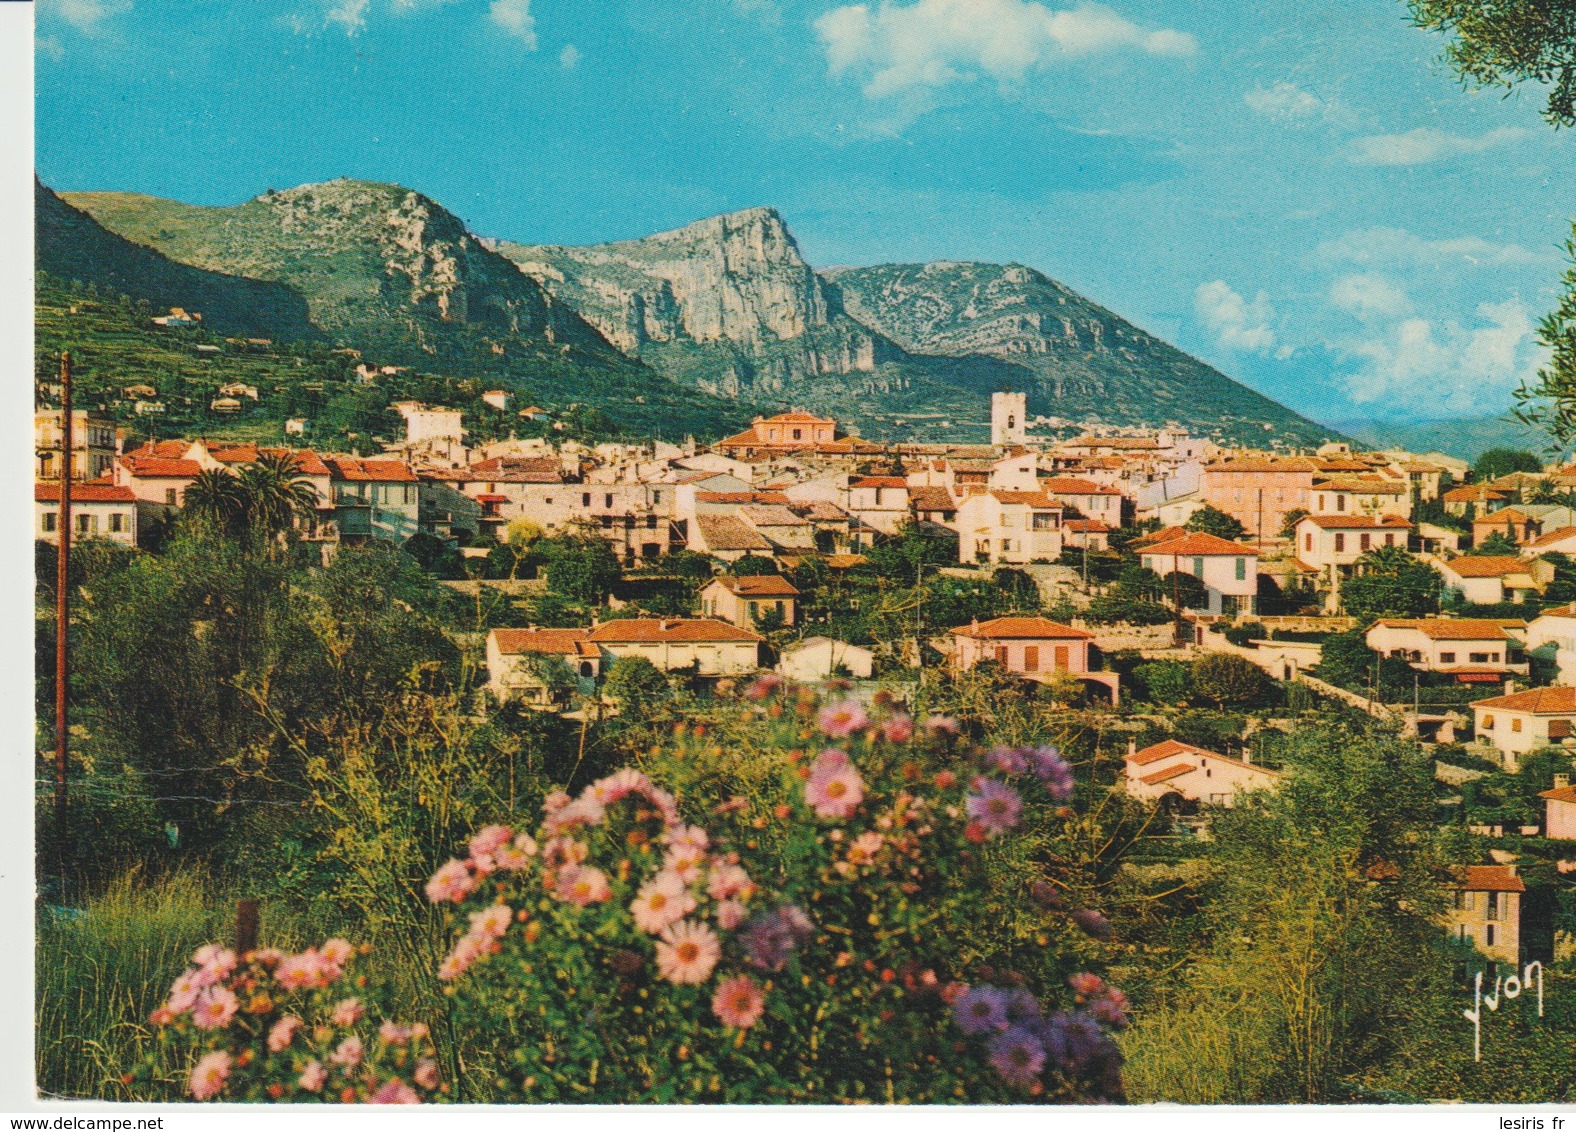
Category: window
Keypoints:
(656, 497)
(1340, 502)
(1491, 907)
(169, 497)
(607, 522)
(1447, 658)
(1363, 540)
(1515, 724)
(116, 522)
(1389, 538)
(1488, 723)
(548, 501)
(1488, 935)
(1198, 567)
(651, 522)
(50, 520)
(585, 499)
(1149, 563)
(1031, 659)
(1242, 569)
(82, 524)
(1340, 543)
(1061, 658)
(798, 434)
(607, 499)
(1478, 657)
(1307, 542)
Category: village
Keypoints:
(1123, 554)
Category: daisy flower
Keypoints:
(687, 952)
(348, 1052)
(980, 1010)
(730, 914)
(313, 1077)
(583, 885)
(1017, 1055)
(841, 720)
(348, 1013)
(452, 881)
(209, 1075)
(994, 805)
(214, 1008)
(395, 1092)
(661, 901)
(283, 1033)
(490, 839)
(493, 921)
(739, 1002)
(728, 881)
(426, 1074)
(834, 789)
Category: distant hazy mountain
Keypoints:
(1465, 439)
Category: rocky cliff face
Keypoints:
(729, 300)
(366, 257)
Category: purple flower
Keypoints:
(1022, 1007)
(1017, 1055)
(1075, 1041)
(994, 805)
(1052, 770)
(1009, 760)
(980, 1010)
(1092, 923)
(769, 939)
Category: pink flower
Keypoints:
(738, 1002)
(583, 885)
(687, 952)
(268, 956)
(395, 1092)
(348, 1012)
(730, 914)
(685, 863)
(214, 1008)
(209, 1075)
(554, 802)
(490, 839)
(313, 1077)
(1086, 984)
(834, 788)
(661, 900)
(394, 1034)
(865, 847)
(898, 728)
(308, 969)
(561, 851)
(763, 687)
(619, 785)
(426, 1074)
(688, 839)
(728, 881)
(493, 921)
(453, 881)
(283, 1033)
(216, 960)
(183, 991)
(843, 719)
(337, 952)
(467, 949)
(348, 1053)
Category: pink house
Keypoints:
(1032, 647)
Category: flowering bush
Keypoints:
(808, 944)
(268, 1026)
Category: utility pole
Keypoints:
(1176, 597)
(62, 617)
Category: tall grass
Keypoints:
(102, 969)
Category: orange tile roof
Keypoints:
(1455, 629)
(757, 585)
(1086, 526)
(1163, 749)
(562, 642)
(1560, 794)
(1067, 485)
(878, 481)
(1559, 534)
(740, 497)
(1197, 543)
(1472, 493)
(652, 630)
(49, 492)
(1356, 522)
(1362, 485)
(727, 532)
(1160, 536)
(1535, 701)
(1022, 628)
(1486, 566)
(1025, 498)
(161, 467)
(360, 471)
(1169, 773)
(799, 417)
(1489, 878)
(1265, 464)
(845, 561)
(236, 454)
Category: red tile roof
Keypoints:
(1559, 534)
(49, 492)
(878, 481)
(1168, 748)
(380, 471)
(1486, 566)
(1537, 701)
(1025, 498)
(727, 532)
(757, 585)
(1022, 628)
(1198, 544)
(1356, 522)
(1086, 526)
(740, 497)
(650, 630)
(1169, 773)
(562, 642)
(1066, 485)
(161, 467)
(1159, 536)
(1560, 794)
(1490, 878)
(1455, 629)
(1472, 493)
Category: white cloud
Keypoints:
(1369, 296)
(935, 42)
(1426, 144)
(84, 15)
(349, 14)
(1236, 323)
(1399, 248)
(514, 16)
(49, 45)
(569, 57)
(1288, 103)
(1444, 368)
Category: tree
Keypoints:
(1184, 590)
(1213, 521)
(1139, 583)
(1165, 681)
(636, 685)
(435, 555)
(1018, 591)
(1390, 582)
(276, 494)
(753, 565)
(1498, 462)
(1293, 517)
(1497, 544)
(1228, 679)
(216, 499)
(583, 569)
(1501, 44)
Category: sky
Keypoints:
(1301, 193)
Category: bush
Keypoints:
(1228, 679)
(1106, 610)
(1165, 681)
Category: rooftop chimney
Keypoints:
(1561, 781)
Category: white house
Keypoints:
(1229, 570)
(514, 657)
(1466, 646)
(1192, 773)
(1327, 542)
(1552, 635)
(1559, 810)
(98, 511)
(1093, 500)
(816, 658)
(879, 501)
(742, 600)
(709, 648)
(1524, 721)
(1489, 579)
(1009, 526)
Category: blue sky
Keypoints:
(1301, 195)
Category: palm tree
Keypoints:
(217, 498)
(276, 494)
